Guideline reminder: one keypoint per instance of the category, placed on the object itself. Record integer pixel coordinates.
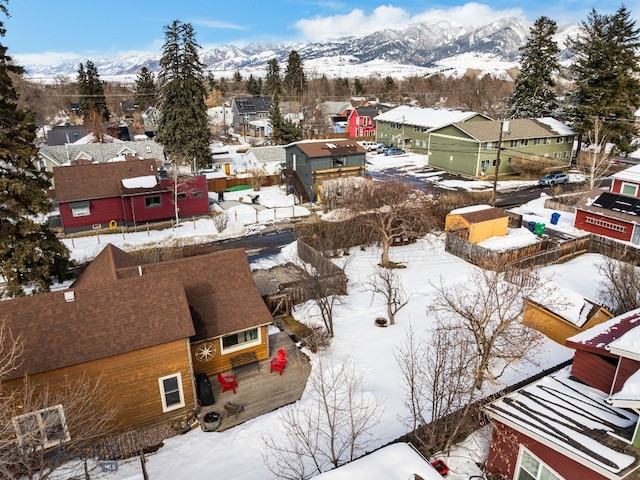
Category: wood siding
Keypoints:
(626, 368)
(132, 380)
(222, 362)
(593, 370)
(503, 455)
(581, 223)
(478, 231)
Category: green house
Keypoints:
(409, 127)
(471, 148)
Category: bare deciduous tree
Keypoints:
(385, 281)
(391, 211)
(331, 427)
(620, 289)
(594, 162)
(486, 312)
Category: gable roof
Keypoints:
(609, 204)
(98, 180)
(328, 148)
(252, 104)
(101, 152)
(525, 128)
(61, 134)
(102, 320)
(573, 419)
(483, 215)
(426, 117)
(631, 174)
(566, 304)
(598, 337)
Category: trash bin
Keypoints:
(539, 229)
(531, 226)
(554, 218)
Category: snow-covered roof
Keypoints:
(148, 181)
(424, 117)
(556, 125)
(631, 174)
(470, 208)
(398, 461)
(629, 394)
(569, 305)
(569, 416)
(605, 333)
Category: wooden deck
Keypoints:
(260, 391)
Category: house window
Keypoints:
(171, 392)
(43, 428)
(524, 142)
(488, 145)
(182, 196)
(537, 141)
(547, 141)
(560, 140)
(629, 189)
(197, 194)
(240, 340)
(513, 143)
(80, 209)
(484, 165)
(152, 202)
(530, 468)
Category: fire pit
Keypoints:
(211, 421)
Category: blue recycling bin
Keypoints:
(554, 218)
(531, 226)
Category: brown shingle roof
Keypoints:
(104, 267)
(103, 320)
(328, 148)
(220, 288)
(98, 180)
(484, 215)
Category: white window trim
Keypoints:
(518, 463)
(46, 443)
(625, 184)
(163, 394)
(242, 346)
(81, 211)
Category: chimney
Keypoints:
(69, 296)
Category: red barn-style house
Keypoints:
(614, 213)
(360, 122)
(131, 192)
(580, 422)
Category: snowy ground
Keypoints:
(236, 453)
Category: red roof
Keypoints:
(597, 338)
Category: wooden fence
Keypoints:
(221, 184)
(545, 252)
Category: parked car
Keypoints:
(554, 178)
(204, 390)
(382, 148)
(370, 146)
(394, 151)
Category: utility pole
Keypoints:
(503, 127)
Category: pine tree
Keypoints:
(183, 129)
(605, 74)
(30, 253)
(146, 91)
(276, 120)
(358, 88)
(533, 91)
(253, 86)
(295, 81)
(272, 80)
(91, 91)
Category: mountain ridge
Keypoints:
(425, 47)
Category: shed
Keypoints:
(478, 222)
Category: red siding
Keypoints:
(593, 370)
(616, 186)
(503, 455)
(102, 211)
(627, 368)
(360, 126)
(580, 222)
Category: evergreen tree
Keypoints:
(183, 129)
(253, 86)
(30, 253)
(276, 120)
(389, 84)
(358, 88)
(146, 91)
(295, 81)
(272, 80)
(533, 91)
(91, 91)
(605, 73)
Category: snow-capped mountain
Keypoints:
(434, 45)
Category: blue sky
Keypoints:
(48, 32)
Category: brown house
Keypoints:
(580, 422)
(137, 326)
(565, 319)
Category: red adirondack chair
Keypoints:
(227, 382)
(279, 361)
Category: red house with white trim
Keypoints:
(360, 122)
(580, 422)
(614, 213)
(131, 192)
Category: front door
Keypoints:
(635, 238)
